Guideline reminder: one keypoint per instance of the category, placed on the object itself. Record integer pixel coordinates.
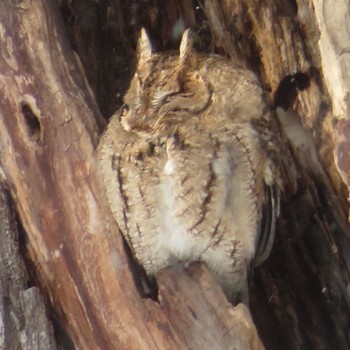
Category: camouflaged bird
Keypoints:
(185, 164)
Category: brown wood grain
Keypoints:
(60, 67)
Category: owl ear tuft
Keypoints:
(144, 48)
(186, 46)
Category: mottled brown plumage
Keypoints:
(185, 163)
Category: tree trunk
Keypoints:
(50, 125)
(23, 323)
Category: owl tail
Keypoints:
(270, 213)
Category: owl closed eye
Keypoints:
(164, 84)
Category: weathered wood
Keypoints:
(50, 124)
(307, 276)
(334, 46)
(23, 320)
(202, 308)
(49, 127)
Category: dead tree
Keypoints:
(61, 65)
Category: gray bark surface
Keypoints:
(23, 321)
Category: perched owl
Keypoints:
(186, 164)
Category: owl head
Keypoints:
(165, 88)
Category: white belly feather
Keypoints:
(238, 212)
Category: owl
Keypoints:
(187, 167)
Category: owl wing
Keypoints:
(130, 167)
(270, 213)
(110, 153)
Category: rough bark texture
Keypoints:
(190, 308)
(50, 125)
(23, 321)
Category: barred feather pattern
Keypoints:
(183, 165)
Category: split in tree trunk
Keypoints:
(50, 126)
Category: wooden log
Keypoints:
(197, 310)
(49, 127)
(23, 320)
(307, 275)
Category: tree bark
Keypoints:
(50, 125)
(23, 322)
